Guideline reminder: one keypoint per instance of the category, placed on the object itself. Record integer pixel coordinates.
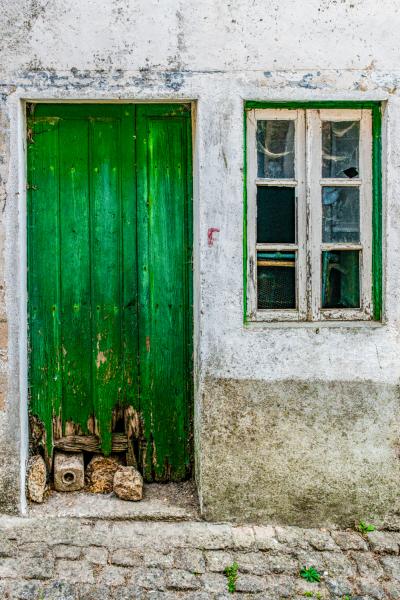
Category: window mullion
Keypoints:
(301, 216)
(314, 212)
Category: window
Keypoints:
(309, 216)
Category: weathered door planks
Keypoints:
(164, 251)
(109, 278)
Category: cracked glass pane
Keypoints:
(275, 149)
(340, 149)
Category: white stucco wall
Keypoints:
(219, 54)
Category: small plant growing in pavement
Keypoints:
(309, 594)
(365, 528)
(316, 595)
(310, 574)
(347, 597)
(232, 575)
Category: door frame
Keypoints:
(17, 263)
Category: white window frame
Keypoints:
(308, 183)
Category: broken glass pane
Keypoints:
(340, 279)
(340, 149)
(340, 214)
(276, 280)
(276, 215)
(275, 149)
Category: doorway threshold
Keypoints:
(161, 502)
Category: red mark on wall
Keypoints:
(210, 235)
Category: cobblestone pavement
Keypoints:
(90, 559)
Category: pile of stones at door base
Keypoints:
(102, 475)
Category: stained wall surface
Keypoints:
(293, 423)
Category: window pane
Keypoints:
(276, 215)
(340, 149)
(340, 279)
(340, 214)
(276, 280)
(275, 149)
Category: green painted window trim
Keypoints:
(376, 110)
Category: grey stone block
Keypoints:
(67, 551)
(126, 558)
(178, 579)
(349, 540)
(74, 571)
(217, 560)
(383, 542)
(96, 555)
(189, 560)
(112, 575)
(250, 583)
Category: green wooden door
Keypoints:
(109, 280)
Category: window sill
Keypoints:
(317, 325)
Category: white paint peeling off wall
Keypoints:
(218, 54)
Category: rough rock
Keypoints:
(100, 474)
(128, 483)
(37, 475)
(69, 472)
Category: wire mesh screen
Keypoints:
(276, 284)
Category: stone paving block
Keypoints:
(35, 549)
(292, 536)
(310, 559)
(207, 536)
(33, 590)
(113, 575)
(9, 567)
(74, 571)
(383, 542)
(95, 554)
(189, 560)
(337, 563)
(96, 592)
(26, 590)
(320, 540)
(217, 560)
(214, 583)
(280, 586)
(392, 589)
(250, 583)
(148, 579)
(372, 589)
(349, 540)
(259, 563)
(264, 537)
(26, 568)
(243, 537)
(7, 547)
(61, 590)
(391, 566)
(367, 564)
(130, 592)
(67, 551)
(338, 586)
(178, 579)
(127, 558)
(156, 559)
(158, 595)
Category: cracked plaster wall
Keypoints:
(250, 384)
